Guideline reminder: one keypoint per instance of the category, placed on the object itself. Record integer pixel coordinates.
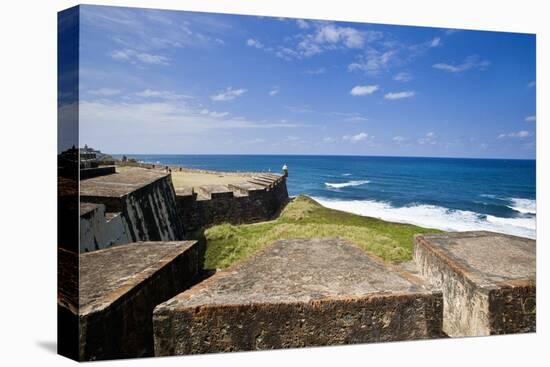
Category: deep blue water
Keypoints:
(446, 193)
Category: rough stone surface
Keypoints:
(99, 229)
(487, 280)
(245, 202)
(138, 205)
(298, 293)
(120, 286)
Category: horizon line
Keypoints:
(325, 155)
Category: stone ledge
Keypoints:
(487, 279)
(120, 286)
(298, 293)
(119, 184)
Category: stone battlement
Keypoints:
(140, 204)
(259, 198)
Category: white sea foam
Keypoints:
(346, 174)
(346, 184)
(435, 217)
(526, 206)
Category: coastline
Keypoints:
(424, 215)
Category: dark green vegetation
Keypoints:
(305, 218)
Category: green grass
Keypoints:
(305, 218)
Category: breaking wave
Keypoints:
(435, 217)
(525, 206)
(346, 184)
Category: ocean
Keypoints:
(451, 194)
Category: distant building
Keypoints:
(90, 157)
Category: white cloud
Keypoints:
(399, 139)
(515, 135)
(120, 120)
(214, 113)
(302, 24)
(399, 95)
(228, 95)
(274, 91)
(532, 84)
(356, 138)
(428, 139)
(328, 139)
(254, 43)
(362, 90)
(531, 118)
(136, 57)
(380, 57)
(402, 77)
(162, 94)
(471, 62)
(331, 36)
(104, 92)
(373, 61)
(436, 42)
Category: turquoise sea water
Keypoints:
(445, 193)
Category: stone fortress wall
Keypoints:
(258, 199)
(133, 260)
(136, 205)
(141, 204)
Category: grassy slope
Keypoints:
(304, 218)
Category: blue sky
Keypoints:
(155, 81)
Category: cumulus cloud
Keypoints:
(515, 135)
(531, 118)
(399, 95)
(356, 138)
(402, 77)
(328, 37)
(228, 94)
(398, 139)
(254, 43)
(471, 62)
(136, 57)
(274, 91)
(428, 139)
(362, 90)
(373, 61)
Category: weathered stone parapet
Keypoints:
(258, 199)
(487, 280)
(96, 171)
(120, 286)
(137, 205)
(298, 293)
